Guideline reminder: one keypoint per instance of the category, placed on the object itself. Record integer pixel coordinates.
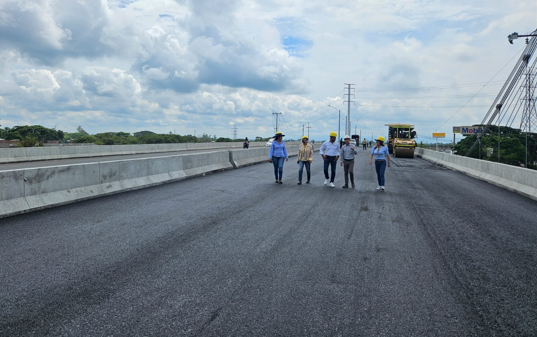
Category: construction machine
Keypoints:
(401, 140)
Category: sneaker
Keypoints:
(378, 188)
(326, 181)
(353, 186)
(280, 182)
(345, 186)
(332, 185)
(277, 181)
(299, 183)
(307, 182)
(382, 188)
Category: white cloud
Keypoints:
(200, 65)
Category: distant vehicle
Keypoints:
(269, 142)
(401, 140)
(353, 141)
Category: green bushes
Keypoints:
(28, 142)
(86, 139)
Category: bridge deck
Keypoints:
(233, 253)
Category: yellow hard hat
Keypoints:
(333, 134)
(382, 139)
(304, 137)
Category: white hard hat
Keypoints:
(347, 137)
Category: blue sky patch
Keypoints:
(296, 46)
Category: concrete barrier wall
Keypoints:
(28, 190)
(241, 158)
(520, 180)
(23, 154)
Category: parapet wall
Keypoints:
(27, 190)
(516, 179)
(24, 154)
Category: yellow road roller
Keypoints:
(401, 140)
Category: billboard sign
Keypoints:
(439, 135)
(471, 130)
(456, 129)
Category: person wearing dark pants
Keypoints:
(330, 152)
(277, 156)
(305, 157)
(347, 153)
(382, 158)
(364, 144)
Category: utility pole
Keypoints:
(348, 101)
(276, 128)
(308, 127)
(234, 132)
(303, 130)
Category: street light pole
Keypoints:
(515, 36)
(338, 121)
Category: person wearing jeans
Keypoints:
(305, 157)
(277, 156)
(330, 152)
(348, 151)
(382, 158)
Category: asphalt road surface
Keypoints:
(71, 161)
(234, 254)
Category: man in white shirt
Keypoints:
(348, 151)
(330, 152)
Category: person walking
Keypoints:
(305, 157)
(347, 153)
(382, 157)
(364, 144)
(277, 155)
(330, 153)
(246, 143)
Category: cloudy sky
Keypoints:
(195, 66)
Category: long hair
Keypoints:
(381, 144)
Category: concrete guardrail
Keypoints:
(25, 154)
(241, 158)
(26, 190)
(516, 179)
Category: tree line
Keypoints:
(37, 135)
(512, 146)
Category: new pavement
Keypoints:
(234, 254)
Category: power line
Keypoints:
(420, 106)
(288, 127)
(483, 87)
(425, 97)
(455, 86)
(507, 89)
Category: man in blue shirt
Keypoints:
(330, 152)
